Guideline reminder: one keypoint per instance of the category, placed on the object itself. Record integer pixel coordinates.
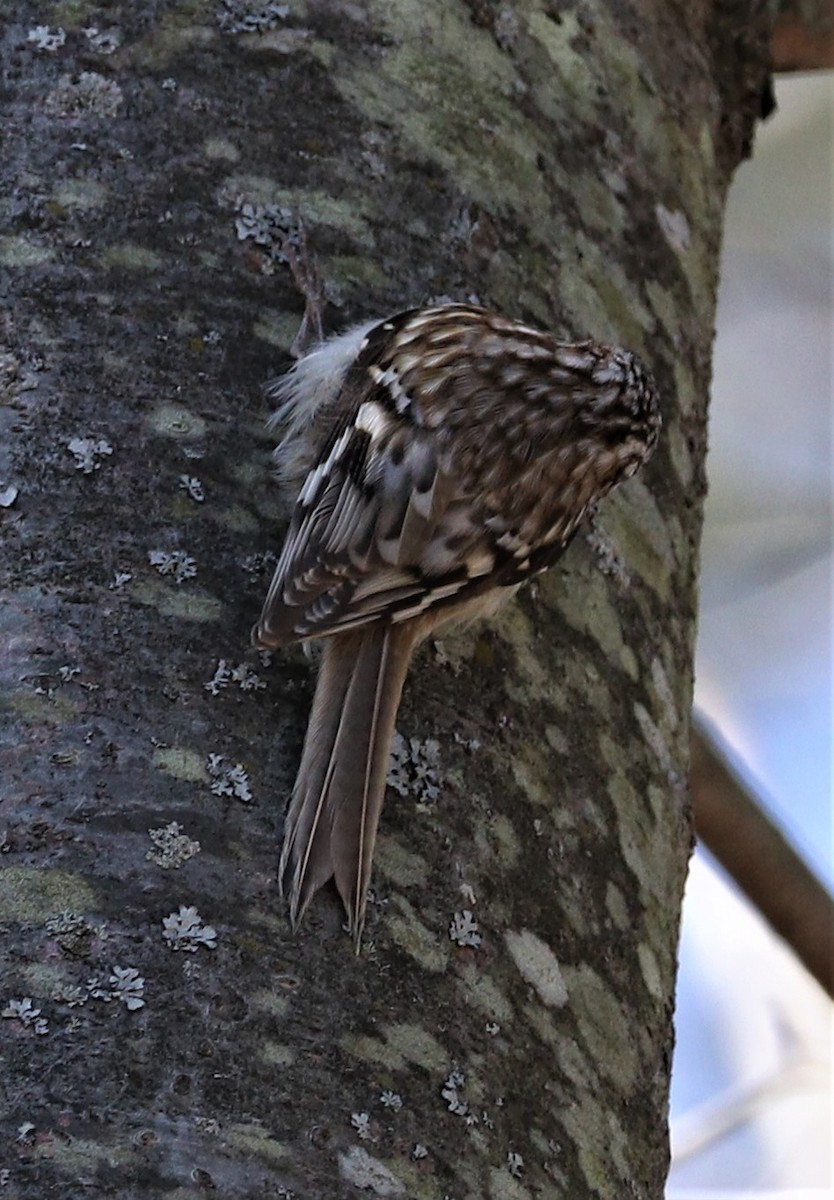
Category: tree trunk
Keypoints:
(567, 165)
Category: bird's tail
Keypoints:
(334, 812)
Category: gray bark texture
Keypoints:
(506, 1031)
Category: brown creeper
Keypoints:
(442, 456)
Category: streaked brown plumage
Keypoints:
(441, 457)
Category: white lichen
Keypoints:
(193, 487)
(269, 225)
(86, 94)
(243, 675)
(257, 565)
(220, 679)
(247, 679)
(184, 930)
(128, 986)
(515, 1163)
(361, 1122)
(119, 580)
(238, 16)
(26, 1134)
(463, 929)
(88, 453)
(71, 995)
(98, 989)
(278, 232)
(415, 768)
(391, 1100)
(208, 1126)
(173, 847)
(176, 563)
(228, 780)
(451, 1093)
(105, 41)
(44, 38)
(24, 1011)
(73, 933)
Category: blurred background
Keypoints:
(752, 1108)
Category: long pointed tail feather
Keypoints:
(337, 799)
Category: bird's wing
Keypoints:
(455, 463)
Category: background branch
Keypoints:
(803, 36)
(747, 842)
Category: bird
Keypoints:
(439, 457)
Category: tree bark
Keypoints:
(567, 165)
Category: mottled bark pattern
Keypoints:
(565, 164)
